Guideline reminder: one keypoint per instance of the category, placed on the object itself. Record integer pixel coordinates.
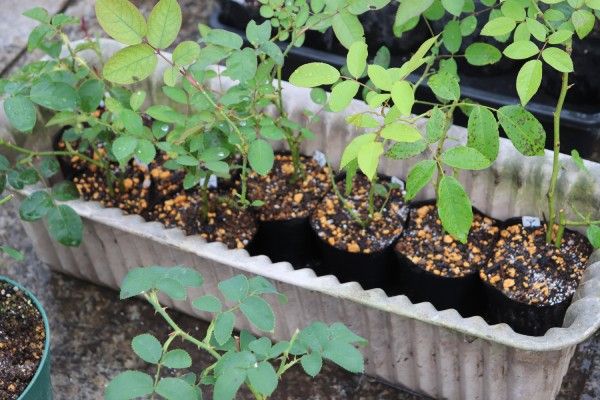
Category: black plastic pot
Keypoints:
(290, 240)
(373, 270)
(580, 120)
(533, 320)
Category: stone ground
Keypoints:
(91, 328)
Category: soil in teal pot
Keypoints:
(22, 338)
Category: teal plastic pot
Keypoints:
(40, 387)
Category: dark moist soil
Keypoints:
(226, 223)
(22, 338)
(528, 270)
(284, 200)
(427, 246)
(334, 224)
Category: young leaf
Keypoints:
(259, 313)
(368, 158)
(410, 9)
(351, 151)
(35, 206)
(464, 157)
(123, 147)
(560, 36)
(137, 99)
(91, 93)
(537, 29)
(403, 96)
(312, 363)
(20, 112)
(207, 303)
(380, 77)
(529, 79)
(345, 355)
(523, 129)
(558, 59)
(451, 36)
(186, 53)
(65, 226)
(224, 327)
(418, 177)
(221, 37)
(482, 131)
(583, 21)
(436, 125)
(129, 385)
(347, 28)
(145, 151)
(260, 156)
(577, 160)
(314, 74)
(357, 59)
(177, 359)
(445, 86)
(121, 20)
(593, 234)
(454, 7)
(12, 253)
(521, 50)
(147, 347)
(164, 23)
(227, 385)
(258, 34)
(234, 289)
(454, 208)
(401, 132)
(241, 65)
(131, 64)
(175, 389)
(342, 94)
(498, 26)
(57, 96)
(263, 378)
(480, 54)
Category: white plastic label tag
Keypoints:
(531, 222)
(212, 182)
(398, 182)
(320, 158)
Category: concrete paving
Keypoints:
(92, 329)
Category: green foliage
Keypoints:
(255, 362)
(131, 64)
(121, 20)
(454, 208)
(314, 74)
(164, 23)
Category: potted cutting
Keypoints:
(239, 359)
(25, 350)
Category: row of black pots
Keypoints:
(491, 86)
(396, 274)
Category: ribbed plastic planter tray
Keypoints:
(439, 354)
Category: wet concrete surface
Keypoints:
(92, 329)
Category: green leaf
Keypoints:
(207, 303)
(164, 23)
(408, 9)
(560, 36)
(464, 157)
(401, 132)
(123, 147)
(404, 96)
(12, 253)
(38, 13)
(345, 355)
(498, 26)
(454, 208)
(521, 50)
(357, 59)
(176, 359)
(368, 158)
(513, 9)
(175, 389)
(49, 166)
(186, 53)
(454, 7)
(342, 94)
(65, 226)
(482, 131)
(121, 20)
(318, 95)
(130, 65)
(228, 384)
(593, 234)
(91, 93)
(258, 34)
(164, 113)
(577, 160)
(261, 346)
(221, 37)
(583, 21)
(224, 327)
(436, 125)
(418, 177)
(145, 151)
(263, 378)
(35, 206)
(558, 59)
(523, 129)
(312, 363)
(351, 151)
(537, 29)
(129, 385)
(259, 313)
(147, 347)
(445, 86)
(20, 113)
(347, 28)
(234, 289)
(529, 80)
(452, 36)
(480, 54)
(54, 95)
(468, 25)
(261, 156)
(314, 74)
(241, 65)
(380, 77)
(137, 99)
